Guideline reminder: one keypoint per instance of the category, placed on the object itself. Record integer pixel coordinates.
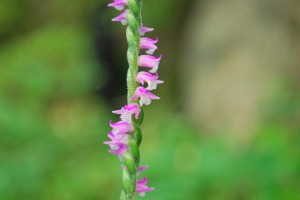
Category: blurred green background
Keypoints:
(228, 124)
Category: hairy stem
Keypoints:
(133, 39)
(132, 157)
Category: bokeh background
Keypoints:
(227, 126)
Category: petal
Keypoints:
(145, 100)
(149, 61)
(142, 181)
(148, 43)
(118, 4)
(121, 127)
(121, 18)
(144, 29)
(142, 168)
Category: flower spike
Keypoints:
(126, 136)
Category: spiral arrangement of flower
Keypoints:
(125, 136)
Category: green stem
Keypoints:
(132, 157)
(133, 39)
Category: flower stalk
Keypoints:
(126, 135)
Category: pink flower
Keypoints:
(150, 62)
(150, 79)
(142, 168)
(118, 143)
(121, 18)
(118, 4)
(148, 43)
(144, 95)
(121, 127)
(127, 111)
(144, 30)
(142, 188)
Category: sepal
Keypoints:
(140, 119)
(137, 134)
(127, 184)
(134, 149)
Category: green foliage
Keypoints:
(193, 167)
(45, 112)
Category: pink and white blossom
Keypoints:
(127, 111)
(148, 43)
(118, 4)
(144, 95)
(121, 18)
(118, 143)
(151, 80)
(121, 127)
(142, 188)
(150, 62)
